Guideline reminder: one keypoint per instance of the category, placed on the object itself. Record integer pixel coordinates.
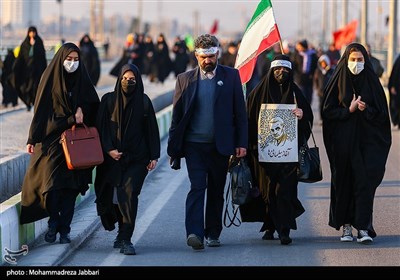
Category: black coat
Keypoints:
(131, 129)
(268, 91)
(59, 95)
(361, 138)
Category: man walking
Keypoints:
(209, 124)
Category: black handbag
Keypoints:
(309, 170)
(240, 189)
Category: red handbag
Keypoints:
(82, 147)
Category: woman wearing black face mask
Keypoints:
(278, 206)
(131, 143)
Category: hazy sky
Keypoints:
(233, 15)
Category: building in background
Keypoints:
(20, 13)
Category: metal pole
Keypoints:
(60, 21)
(324, 25)
(93, 19)
(140, 12)
(333, 16)
(101, 21)
(364, 22)
(345, 12)
(392, 48)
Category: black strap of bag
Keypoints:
(312, 134)
(234, 219)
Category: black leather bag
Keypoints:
(241, 182)
(309, 170)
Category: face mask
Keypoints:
(70, 66)
(281, 76)
(128, 86)
(355, 67)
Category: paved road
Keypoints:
(159, 236)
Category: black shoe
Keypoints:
(64, 238)
(127, 248)
(117, 243)
(194, 241)
(268, 235)
(51, 235)
(285, 240)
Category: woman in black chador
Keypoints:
(28, 67)
(278, 206)
(131, 143)
(65, 97)
(357, 137)
(90, 57)
(394, 90)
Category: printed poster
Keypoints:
(277, 133)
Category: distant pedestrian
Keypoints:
(163, 60)
(28, 67)
(10, 96)
(394, 90)
(131, 143)
(65, 97)
(90, 57)
(357, 138)
(321, 78)
(376, 64)
(209, 125)
(305, 63)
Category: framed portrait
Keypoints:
(277, 133)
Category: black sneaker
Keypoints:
(65, 239)
(51, 235)
(285, 240)
(127, 248)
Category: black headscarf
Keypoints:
(52, 99)
(339, 93)
(123, 99)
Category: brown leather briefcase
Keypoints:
(82, 148)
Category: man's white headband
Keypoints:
(279, 63)
(212, 50)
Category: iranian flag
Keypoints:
(261, 33)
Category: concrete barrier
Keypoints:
(12, 233)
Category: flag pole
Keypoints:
(281, 45)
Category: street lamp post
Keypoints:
(60, 27)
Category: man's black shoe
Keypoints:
(194, 241)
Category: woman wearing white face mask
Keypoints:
(65, 97)
(357, 137)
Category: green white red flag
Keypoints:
(261, 33)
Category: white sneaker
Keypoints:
(347, 234)
(363, 237)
